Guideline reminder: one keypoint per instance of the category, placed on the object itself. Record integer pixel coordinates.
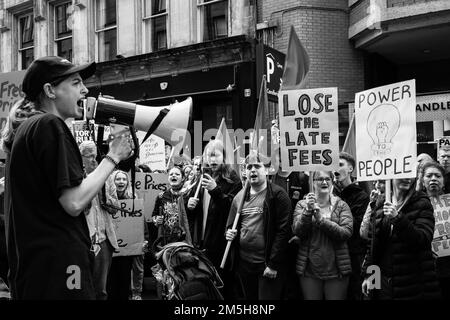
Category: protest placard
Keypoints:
(148, 186)
(10, 93)
(441, 238)
(385, 120)
(152, 152)
(81, 132)
(443, 142)
(129, 227)
(309, 136)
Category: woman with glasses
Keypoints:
(323, 223)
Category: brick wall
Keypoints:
(324, 33)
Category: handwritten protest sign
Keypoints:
(441, 238)
(309, 134)
(148, 186)
(10, 93)
(152, 152)
(386, 132)
(129, 228)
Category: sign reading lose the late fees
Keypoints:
(129, 227)
(386, 132)
(309, 137)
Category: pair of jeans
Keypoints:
(137, 275)
(102, 264)
(257, 287)
(317, 289)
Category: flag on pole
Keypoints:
(228, 145)
(350, 141)
(262, 141)
(297, 63)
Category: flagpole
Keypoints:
(236, 220)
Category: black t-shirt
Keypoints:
(49, 250)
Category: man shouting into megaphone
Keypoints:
(48, 238)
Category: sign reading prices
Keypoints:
(386, 146)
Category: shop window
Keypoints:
(214, 19)
(155, 25)
(62, 30)
(106, 29)
(26, 40)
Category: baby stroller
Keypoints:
(184, 273)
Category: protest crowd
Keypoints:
(77, 222)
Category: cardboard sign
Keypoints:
(441, 238)
(10, 93)
(309, 136)
(152, 152)
(443, 142)
(385, 120)
(129, 228)
(148, 186)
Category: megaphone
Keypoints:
(167, 122)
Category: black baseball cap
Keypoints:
(50, 69)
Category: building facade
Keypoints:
(154, 52)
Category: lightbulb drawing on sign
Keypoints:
(382, 125)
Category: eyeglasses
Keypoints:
(250, 166)
(327, 179)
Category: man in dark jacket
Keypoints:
(357, 199)
(259, 255)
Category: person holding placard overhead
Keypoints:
(402, 246)
(433, 180)
(323, 224)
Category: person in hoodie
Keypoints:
(357, 199)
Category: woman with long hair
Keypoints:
(323, 223)
(169, 214)
(432, 179)
(401, 246)
(208, 213)
(125, 270)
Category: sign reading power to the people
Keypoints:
(386, 132)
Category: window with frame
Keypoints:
(26, 39)
(106, 29)
(214, 19)
(63, 33)
(155, 24)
